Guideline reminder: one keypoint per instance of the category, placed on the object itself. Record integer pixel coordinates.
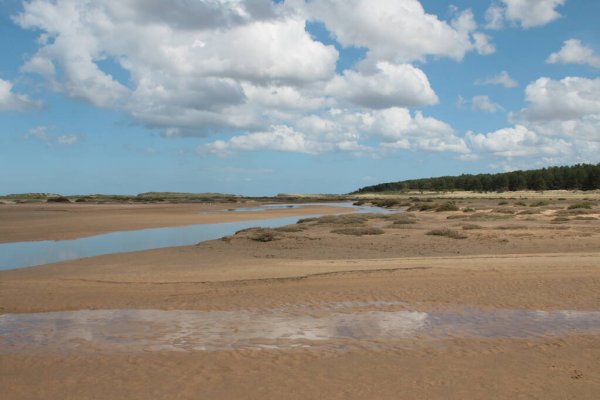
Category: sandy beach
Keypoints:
(509, 256)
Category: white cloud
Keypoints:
(494, 17)
(567, 99)
(503, 79)
(41, 134)
(479, 103)
(345, 130)
(183, 76)
(574, 52)
(416, 34)
(389, 86)
(561, 124)
(517, 142)
(526, 13)
(483, 44)
(484, 103)
(249, 68)
(11, 101)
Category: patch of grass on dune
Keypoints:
(467, 227)
(446, 232)
(576, 206)
(448, 206)
(358, 231)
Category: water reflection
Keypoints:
(284, 328)
(26, 254)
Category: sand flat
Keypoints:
(524, 261)
(48, 221)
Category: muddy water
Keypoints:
(337, 325)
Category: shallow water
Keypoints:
(279, 206)
(26, 254)
(330, 326)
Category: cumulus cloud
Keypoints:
(484, 103)
(248, 69)
(567, 99)
(11, 101)
(483, 44)
(344, 130)
(517, 142)
(192, 74)
(389, 86)
(574, 52)
(561, 124)
(525, 13)
(503, 79)
(416, 34)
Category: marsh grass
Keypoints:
(450, 233)
(505, 210)
(58, 199)
(511, 227)
(358, 231)
(539, 204)
(260, 234)
(291, 228)
(408, 221)
(489, 217)
(468, 227)
(447, 206)
(576, 206)
(422, 207)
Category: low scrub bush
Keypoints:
(447, 233)
(505, 210)
(359, 231)
(539, 204)
(468, 227)
(58, 199)
(448, 206)
(580, 206)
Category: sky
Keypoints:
(260, 97)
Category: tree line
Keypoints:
(576, 177)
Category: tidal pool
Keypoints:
(332, 326)
(27, 254)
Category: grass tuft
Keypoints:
(358, 231)
(447, 233)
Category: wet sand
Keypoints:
(48, 221)
(520, 260)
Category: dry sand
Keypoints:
(524, 259)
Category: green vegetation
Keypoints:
(360, 231)
(580, 177)
(448, 206)
(447, 233)
(579, 206)
(58, 199)
(539, 204)
(468, 227)
(260, 234)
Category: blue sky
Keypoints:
(258, 98)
